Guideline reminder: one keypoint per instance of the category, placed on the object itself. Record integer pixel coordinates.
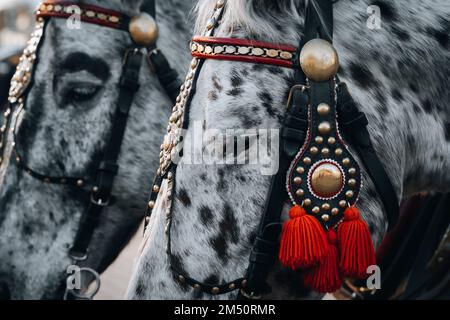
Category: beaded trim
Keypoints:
(243, 50)
(88, 13)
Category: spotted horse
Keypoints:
(386, 140)
(84, 104)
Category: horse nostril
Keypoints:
(4, 292)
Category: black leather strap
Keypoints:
(108, 167)
(354, 124)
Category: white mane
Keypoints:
(255, 17)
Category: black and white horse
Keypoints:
(398, 73)
(63, 129)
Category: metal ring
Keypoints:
(300, 87)
(99, 202)
(86, 295)
(77, 256)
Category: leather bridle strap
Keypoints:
(166, 75)
(108, 168)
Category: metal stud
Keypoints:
(80, 183)
(349, 194)
(297, 180)
(338, 152)
(324, 127)
(352, 182)
(352, 171)
(151, 204)
(325, 151)
(155, 188)
(323, 109)
(346, 161)
(215, 290)
(232, 286)
(314, 150)
(334, 211)
(307, 160)
(197, 286)
(181, 279)
(331, 140)
(95, 189)
(325, 217)
(326, 206)
(307, 202)
(300, 192)
(342, 203)
(319, 139)
(300, 170)
(316, 210)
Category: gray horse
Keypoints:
(398, 73)
(63, 129)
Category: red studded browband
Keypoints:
(243, 50)
(88, 13)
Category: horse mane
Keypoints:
(259, 18)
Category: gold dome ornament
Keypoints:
(319, 60)
(327, 180)
(143, 30)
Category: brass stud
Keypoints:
(151, 204)
(307, 202)
(147, 220)
(338, 152)
(155, 188)
(349, 194)
(300, 192)
(334, 211)
(324, 127)
(314, 150)
(114, 19)
(232, 286)
(215, 290)
(95, 189)
(143, 29)
(80, 183)
(331, 140)
(326, 206)
(307, 160)
(325, 151)
(297, 180)
(220, 4)
(316, 210)
(181, 279)
(325, 217)
(352, 182)
(323, 109)
(197, 286)
(300, 170)
(319, 60)
(346, 161)
(352, 171)
(319, 139)
(342, 203)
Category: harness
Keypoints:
(144, 32)
(317, 171)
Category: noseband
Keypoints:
(316, 168)
(143, 32)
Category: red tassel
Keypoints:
(325, 277)
(356, 246)
(303, 241)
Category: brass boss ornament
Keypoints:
(143, 30)
(319, 60)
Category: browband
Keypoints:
(88, 13)
(243, 50)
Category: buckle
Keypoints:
(99, 202)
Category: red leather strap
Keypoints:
(243, 50)
(101, 16)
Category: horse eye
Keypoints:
(81, 92)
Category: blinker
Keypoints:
(143, 30)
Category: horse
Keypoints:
(62, 131)
(398, 74)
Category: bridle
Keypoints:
(303, 128)
(143, 31)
